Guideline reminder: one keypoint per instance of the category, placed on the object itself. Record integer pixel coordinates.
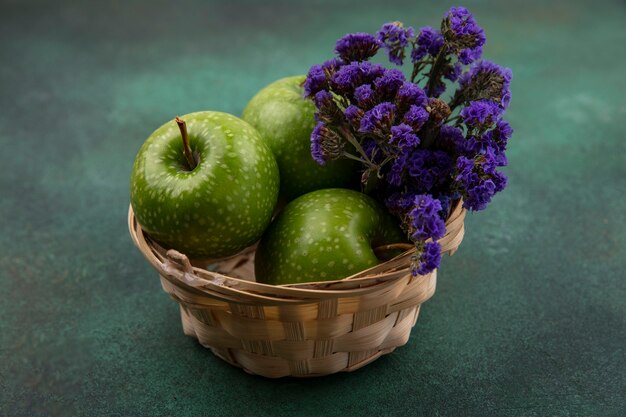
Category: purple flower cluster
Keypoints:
(497, 139)
(463, 35)
(494, 140)
(479, 179)
(430, 258)
(481, 114)
(425, 169)
(318, 75)
(425, 217)
(378, 102)
(357, 47)
(378, 119)
(395, 37)
(403, 136)
(352, 75)
(410, 94)
(426, 224)
(416, 116)
(429, 168)
(485, 80)
(429, 42)
(326, 145)
(420, 154)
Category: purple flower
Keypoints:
(470, 146)
(378, 118)
(469, 55)
(394, 176)
(446, 200)
(322, 99)
(450, 137)
(453, 72)
(479, 193)
(429, 169)
(429, 259)
(463, 35)
(348, 77)
(497, 138)
(318, 76)
(395, 37)
(464, 167)
(426, 218)
(364, 96)
(371, 149)
(492, 144)
(357, 47)
(388, 84)
(429, 41)
(400, 203)
(486, 80)
(316, 144)
(354, 115)
(488, 161)
(481, 114)
(415, 117)
(327, 110)
(410, 93)
(325, 144)
(332, 65)
(315, 81)
(479, 180)
(403, 136)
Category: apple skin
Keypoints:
(221, 206)
(285, 120)
(324, 235)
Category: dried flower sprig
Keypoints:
(419, 152)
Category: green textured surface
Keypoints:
(529, 315)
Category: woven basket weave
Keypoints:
(302, 330)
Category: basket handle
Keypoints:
(175, 261)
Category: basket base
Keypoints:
(255, 364)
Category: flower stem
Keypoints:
(452, 119)
(191, 163)
(434, 75)
(350, 138)
(456, 99)
(419, 66)
(363, 161)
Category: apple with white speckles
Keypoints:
(285, 120)
(325, 235)
(204, 184)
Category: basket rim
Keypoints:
(177, 270)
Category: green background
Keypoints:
(528, 318)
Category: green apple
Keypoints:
(286, 119)
(324, 235)
(204, 184)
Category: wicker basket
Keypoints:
(302, 330)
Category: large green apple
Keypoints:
(324, 235)
(211, 198)
(286, 119)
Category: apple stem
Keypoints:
(186, 149)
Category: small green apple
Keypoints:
(205, 184)
(285, 120)
(324, 235)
